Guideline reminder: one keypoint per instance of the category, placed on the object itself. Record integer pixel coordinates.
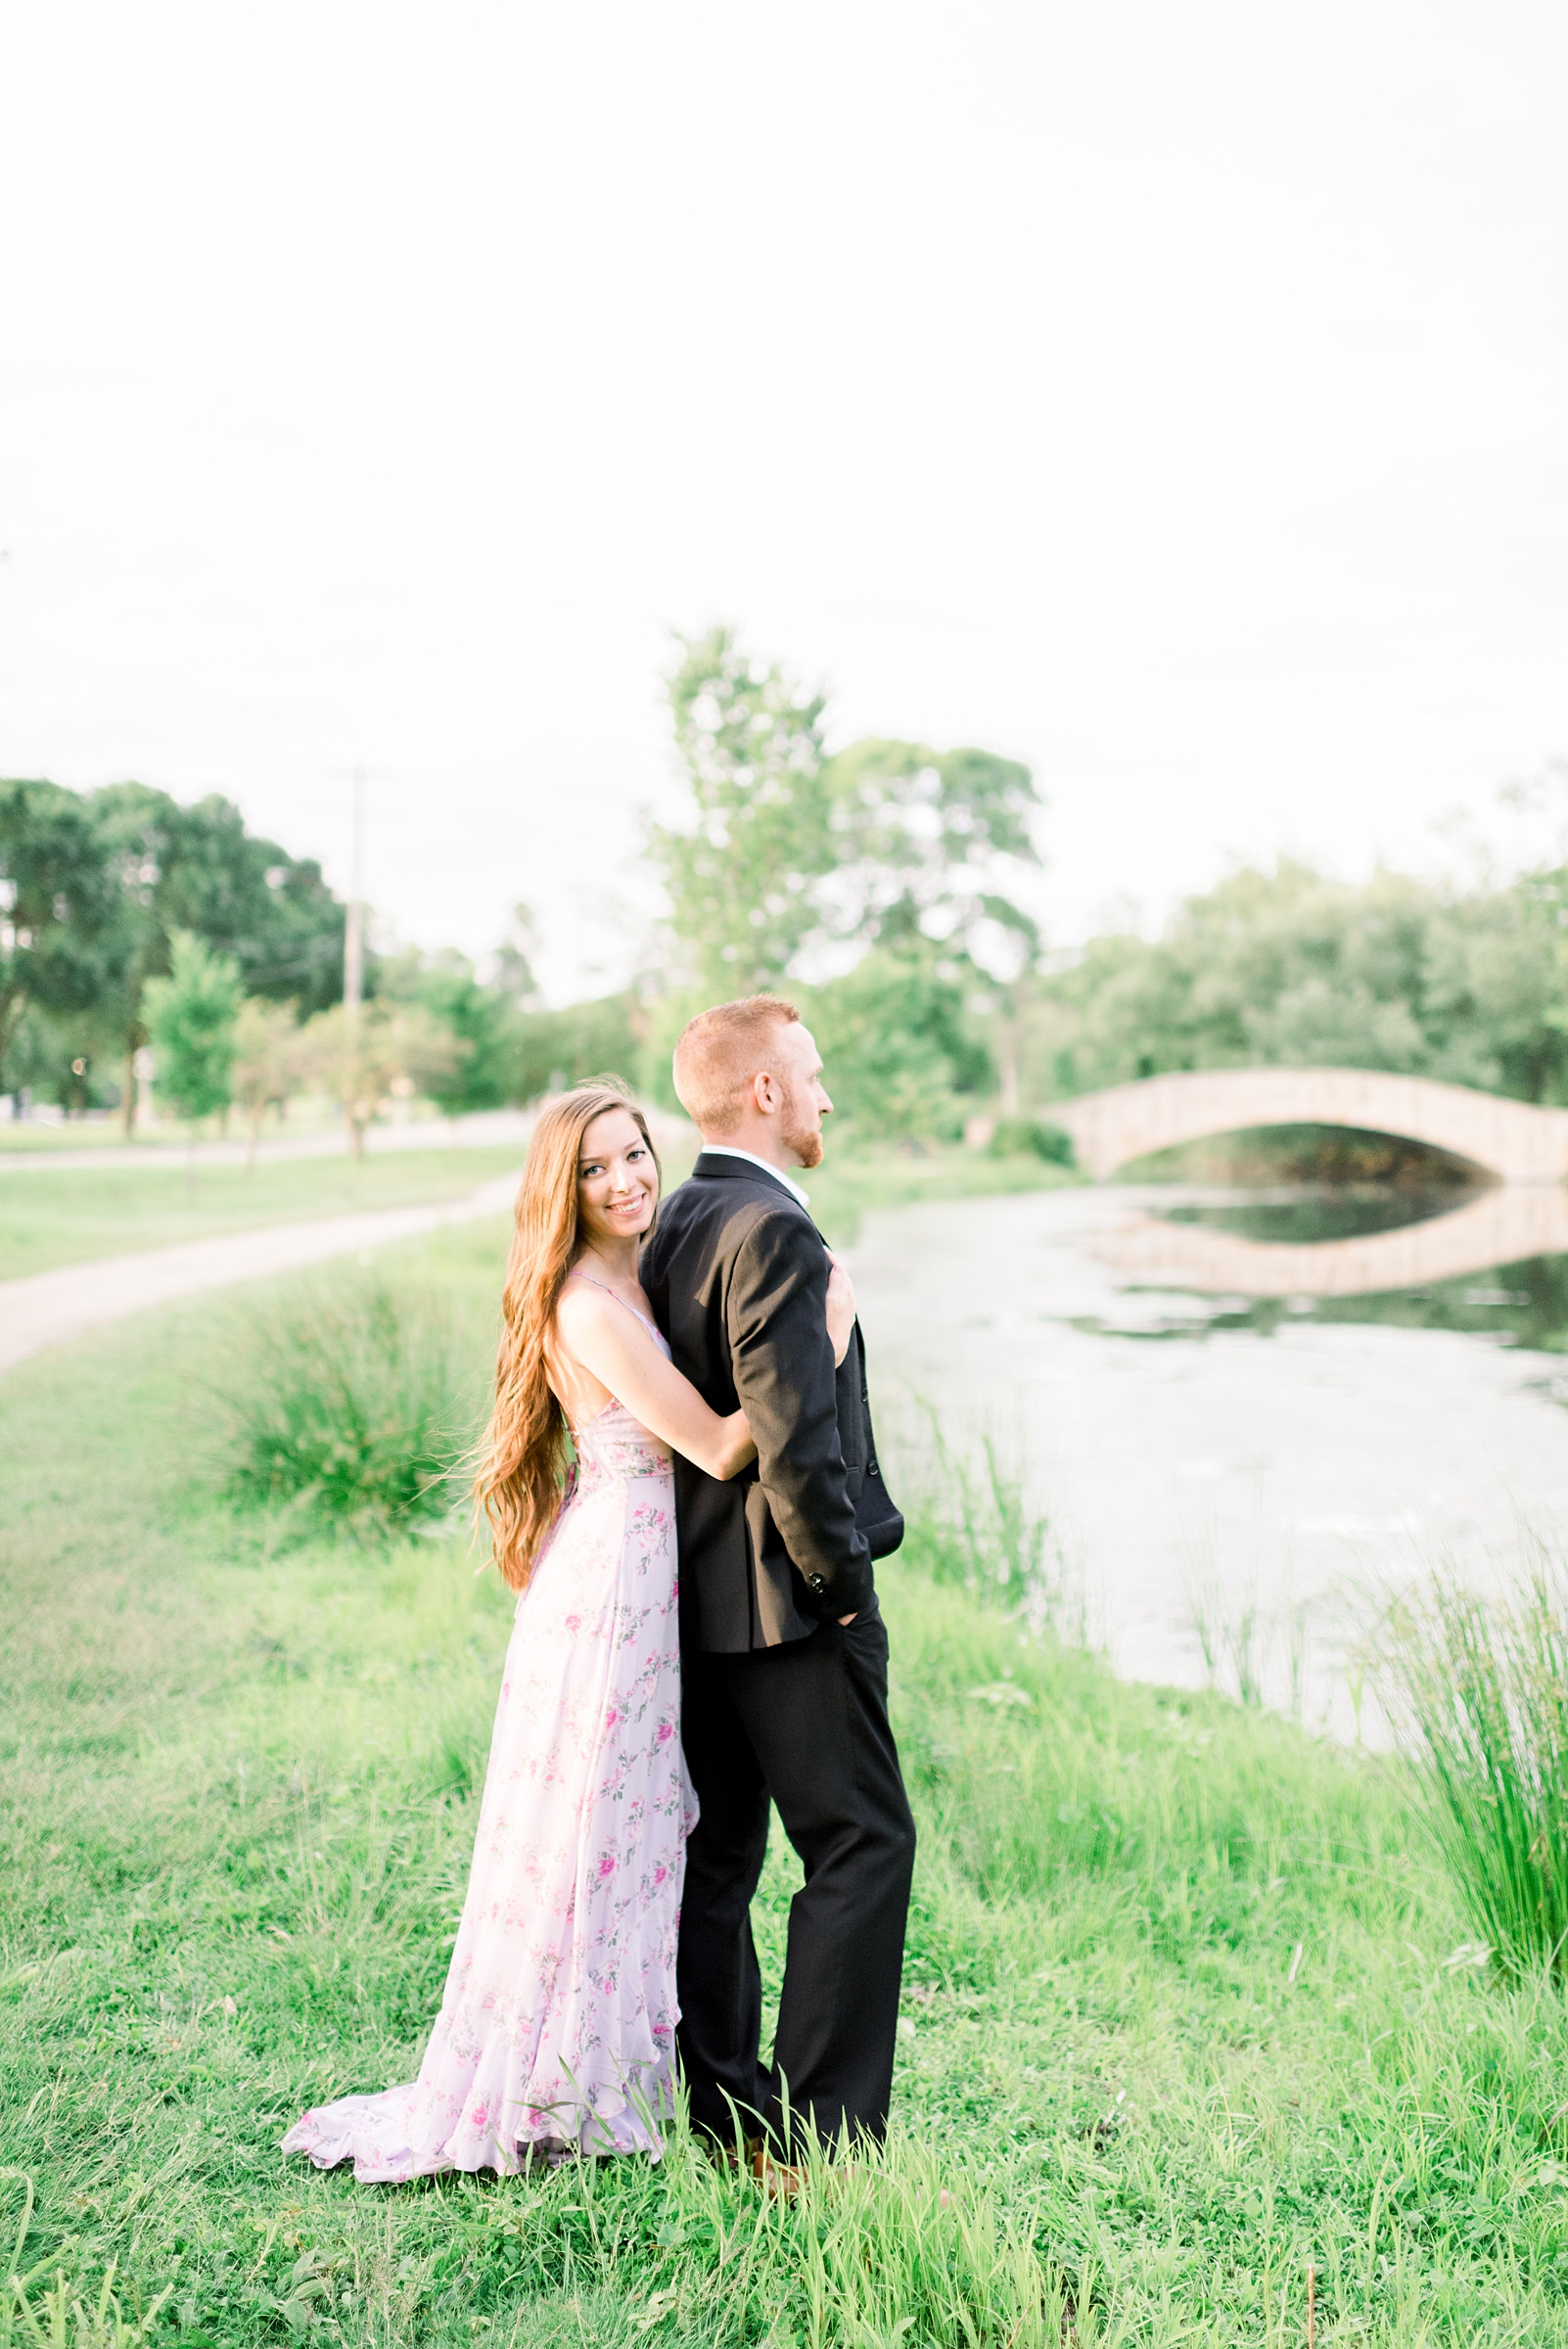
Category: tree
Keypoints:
(191, 1018)
(741, 874)
(924, 842)
(1292, 968)
(476, 1017)
(55, 904)
(266, 1062)
(899, 1055)
(547, 1050)
(197, 868)
(362, 1058)
(514, 976)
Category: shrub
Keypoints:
(1482, 1696)
(356, 1404)
(1021, 1138)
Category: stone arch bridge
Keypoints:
(1512, 1141)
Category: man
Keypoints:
(783, 1652)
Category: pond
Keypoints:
(1246, 1410)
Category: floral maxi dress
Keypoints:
(557, 2026)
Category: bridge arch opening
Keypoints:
(1263, 1157)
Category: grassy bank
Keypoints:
(70, 1215)
(1187, 2004)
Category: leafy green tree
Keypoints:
(900, 1059)
(191, 1017)
(197, 868)
(364, 1059)
(1289, 967)
(55, 904)
(546, 1050)
(266, 1063)
(924, 842)
(478, 1019)
(742, 874)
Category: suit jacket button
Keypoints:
(871, 1469)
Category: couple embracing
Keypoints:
(705, 1359)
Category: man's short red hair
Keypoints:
(718, 1054)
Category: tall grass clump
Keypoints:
(1483, 1695)
(970, 1520)
(355, 1402)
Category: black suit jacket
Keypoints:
(737, 1275)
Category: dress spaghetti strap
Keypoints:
(651, 1327)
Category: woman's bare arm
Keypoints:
(609, 1341)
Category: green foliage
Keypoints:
(1019, 1137)
(191, 1016)
(475, 1017)
(267, 1059)
(198, 868)
(1287, 967)
(238, 1847)
(900, 1059)
(921, 836)
(886, 844)
(1178, 2017)
(54, 905)
(546, 1050)
(105, 881)
(1484, 1696)
(353, 1407)
(367, 1057)
(741, 874)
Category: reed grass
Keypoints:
(1482, 1690)
(351, 1402)
(1178, 2024)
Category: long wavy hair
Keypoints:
(522, 1460)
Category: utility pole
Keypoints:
(354, 944)
(353, 959)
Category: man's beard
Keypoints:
(797, 1135)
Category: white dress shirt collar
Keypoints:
(727, 1150)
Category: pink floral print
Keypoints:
(556, 2031)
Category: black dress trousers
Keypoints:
(806, 1725)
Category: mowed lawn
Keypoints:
(66, 1216)
(1188, 2009)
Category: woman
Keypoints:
(556, 2033)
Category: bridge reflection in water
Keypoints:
(1498, 1227)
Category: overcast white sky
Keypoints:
(1172, 396)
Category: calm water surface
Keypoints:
(1244, 1411)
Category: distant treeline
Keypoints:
(1289, 968)
(877, 886)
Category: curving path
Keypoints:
(46, 1309)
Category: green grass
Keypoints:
(1180, 2011)
(69, 1215)
(1485, 1689)
(351, 1404)
(849, 1186)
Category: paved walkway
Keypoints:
(46, 1309)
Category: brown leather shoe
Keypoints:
(781, 2181)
